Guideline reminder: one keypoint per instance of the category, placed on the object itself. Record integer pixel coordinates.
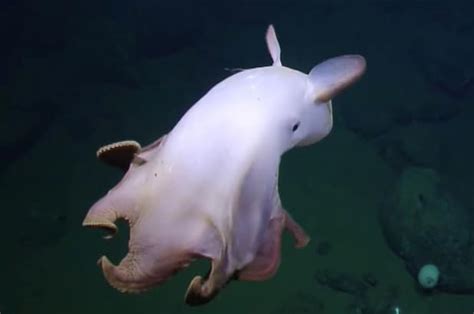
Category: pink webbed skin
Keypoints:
(168, 230)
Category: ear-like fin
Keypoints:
(273, 45)
(330, 77)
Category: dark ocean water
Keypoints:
(388, 191)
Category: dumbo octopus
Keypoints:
(209, 188)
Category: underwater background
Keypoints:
(388, 191)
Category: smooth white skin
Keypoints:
(241, 127)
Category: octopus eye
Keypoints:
(295, 126)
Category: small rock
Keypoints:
(342, 282)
